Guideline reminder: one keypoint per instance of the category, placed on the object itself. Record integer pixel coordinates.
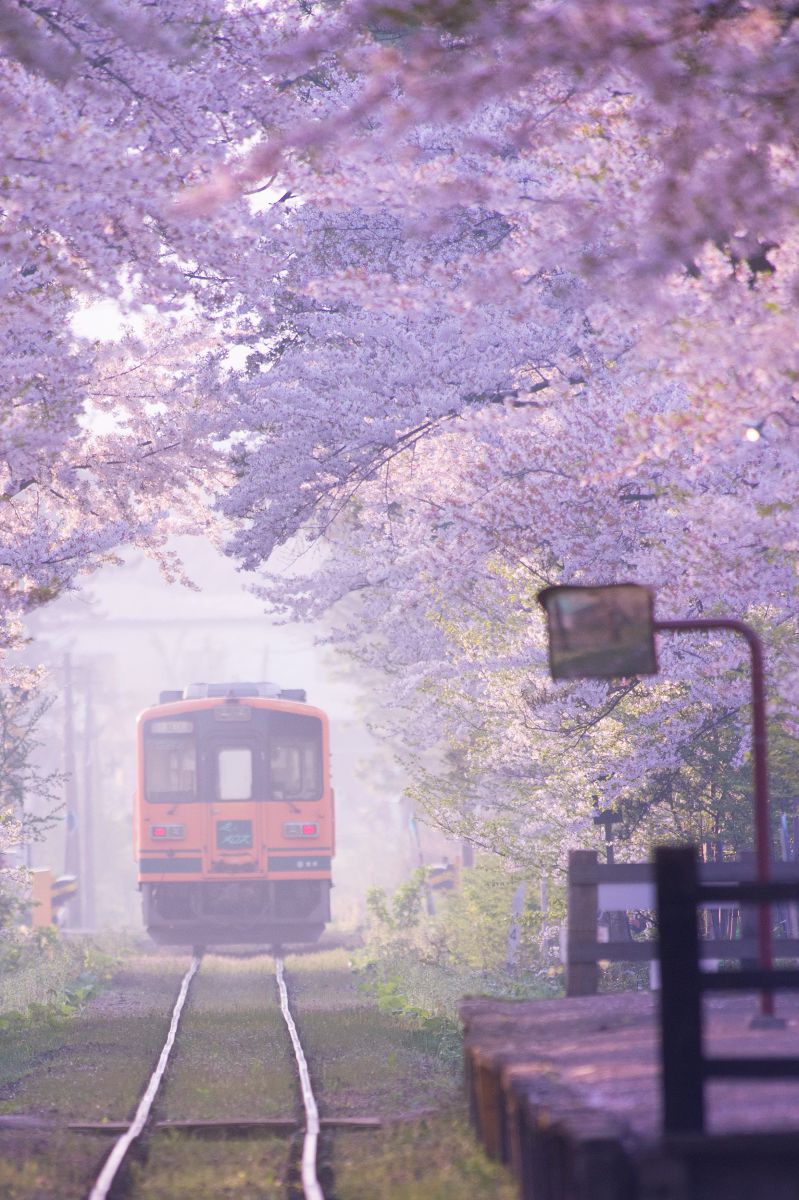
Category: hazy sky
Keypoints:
(131, 611)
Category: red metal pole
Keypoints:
(760, 772)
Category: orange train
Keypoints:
(234, 821)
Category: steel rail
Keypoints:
(310, 1183)
(115, 1159)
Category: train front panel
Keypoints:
(234, 821)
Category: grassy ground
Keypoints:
(232, 1059)
(92, 1063)
(363, 1061)
(49, 970)
(366, 1062)
(48, 1165)
(61, 1063)
(181, 1167)
(431, 1159)
(234, 1056)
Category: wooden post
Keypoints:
(582, 977)
(680, 996)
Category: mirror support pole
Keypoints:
(760, 771)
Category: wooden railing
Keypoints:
(685, 1067)
(625, 887)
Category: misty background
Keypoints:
(109, 650)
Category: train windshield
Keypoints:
(170, 761)
(273, 755)
(234, 773)
(295, 757)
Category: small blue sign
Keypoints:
(234, 835)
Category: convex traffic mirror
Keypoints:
(600, 632)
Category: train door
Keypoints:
(235, 770)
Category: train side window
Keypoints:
(295, 757)
(234, 773)
(170, 769)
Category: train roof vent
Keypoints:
(204, 691)
(169, 697)
(293, 694)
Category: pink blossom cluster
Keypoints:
(477, 296)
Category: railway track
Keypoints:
(224, 1115)
(140, 1125)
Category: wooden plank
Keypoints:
(741, 1144)
(365, 1122)
(746, 891)
(625, 897)
(489, 1102)
(24, 1121)
(746, 947)
(114, 1127)
(750, 979)
(217, 1125)
(745, 869)
(223, 1125)
(751, 1068)
(594, 952)
(709, 949)
(233, 1125)
(600, 1166)
(566, 1151)
(583, 871)
(589, 870)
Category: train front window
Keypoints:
(295, 757)
(170, 762)
(234, 773)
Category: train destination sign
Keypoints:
(600, 632)
(234, 835)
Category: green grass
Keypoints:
(94, 1063)
(433, 1159)
(368, 1062)
(233, 1057)
(51, 1165)
(184, 1167)
(363, 1061)
(402, 981)
(49, 970)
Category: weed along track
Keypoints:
(143, 1123)
(310, 1182)
(115, 1159)
(273, 1080)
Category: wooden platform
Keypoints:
(567, 1092)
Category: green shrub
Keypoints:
(45, 971)
(421, 962)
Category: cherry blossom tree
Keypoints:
(642, 164)
(109, 109)
(486, 296)
(694, 102)
(23, 783)
(435, 567)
